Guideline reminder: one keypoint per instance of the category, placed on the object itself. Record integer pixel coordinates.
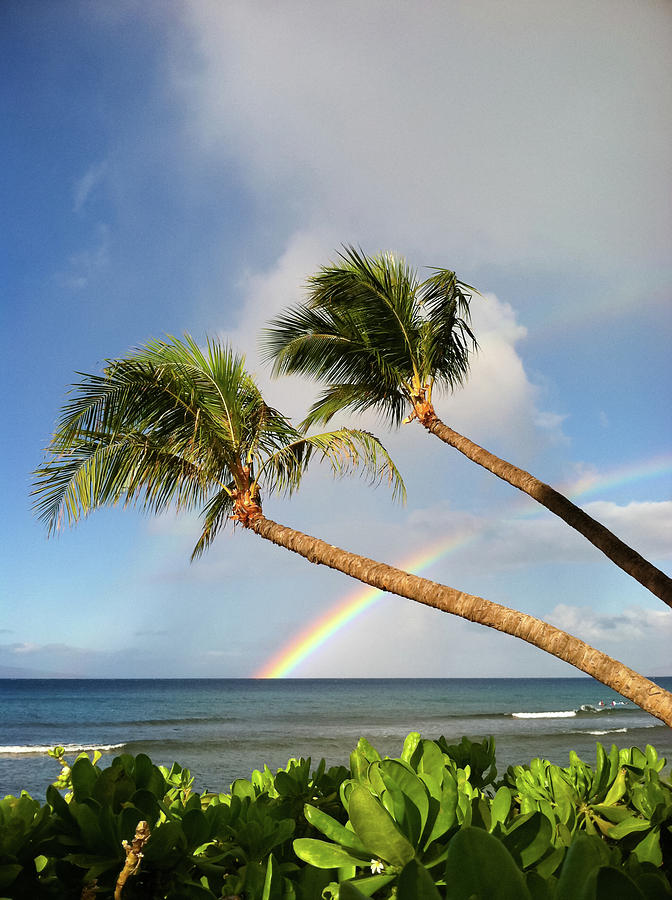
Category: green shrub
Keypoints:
(433, 824)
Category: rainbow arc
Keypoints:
(323, 628)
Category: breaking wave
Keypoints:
(587, 709)
(30, 749)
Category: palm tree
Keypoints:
(382, 339)
(172, 425)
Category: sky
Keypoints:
(184, 166)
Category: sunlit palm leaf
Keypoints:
(175, 425)
(374, 333)
(346, 449)
(104, 470)
(214, 516)
(388, 402)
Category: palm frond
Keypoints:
(175, 425)
(447, 338)
(373, 333)
(214, 516)
(102, 470)
(343, 347)
(346, 450)
(390, 403)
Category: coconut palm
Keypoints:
(172, 425)
(380, 338)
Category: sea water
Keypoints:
(222, 729)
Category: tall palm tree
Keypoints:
(172, 425)
(380, 338)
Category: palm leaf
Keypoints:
(390, 403)
(346, 450)
(175, 425)
(102, 470)
(215, 516)
(374, 335)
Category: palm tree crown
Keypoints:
(172, 424)
(379, 337)
(377, 334)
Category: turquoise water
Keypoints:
(224, 728)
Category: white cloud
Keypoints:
(634, 625)
(25, 647)
(87, 183)
(475, 132)
(506, 541)
(499, 398)
(399, 638)
(265, 295)
(646, 526)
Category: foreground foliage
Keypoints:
(437, 822)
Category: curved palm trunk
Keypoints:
(618, 552)
(625, 681)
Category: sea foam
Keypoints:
(29, 749)
(563, 714)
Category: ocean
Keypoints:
(222, 729)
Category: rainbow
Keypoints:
(619, 476)
(283, 663)
(346, 611)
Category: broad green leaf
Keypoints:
(333, 829)
(323, 855)
(629, 826)
(529, 839)
(410, 746)
(585, 855)
(654, 886)
(431, 760)
(415, 883)
(242, 788)
(617, 789)
(609, 883)
(540, 888)
(84, 777)
(196, 828)
(114, 787)
(345, 873)
(374, 778)
(501, 804)
(268, 880)
(147, 804)
(648, 849)
(348, 891)
(165, 842)
(601, 769)
(550, 863)
(377, 830)
(361, 757)
(479, 867)
(614, 814)
(369, 885)
(409, 796)
(563, 793)
(58, 804)
(446, 815)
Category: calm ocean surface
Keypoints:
(222, 729)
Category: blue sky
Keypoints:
(184, 166)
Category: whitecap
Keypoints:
(564, 714)
(25, 749)
(608, 731)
